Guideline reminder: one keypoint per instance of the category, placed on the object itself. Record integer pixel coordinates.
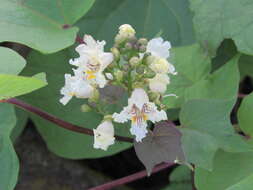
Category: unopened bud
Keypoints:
(133, 40)
(85, 108)
(134, 61)
(126, 67)
(119, 39)
(153, 96)
(142, 48)
(150, 74)
(95, 96)
(140, 69)
(128, 46)
(143, 41)
(115, 53)
(119, 75)
(138, 85)
(108, 117)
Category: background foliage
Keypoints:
(210, 69)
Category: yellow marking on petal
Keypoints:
(91, 75)
(72, 94)
(134, 119)
(145, 117)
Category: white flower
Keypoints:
(161, 65)
(93, 60)
(75, 86)
(104, 135)
(139, 110)
(159, 48)
(159, 83)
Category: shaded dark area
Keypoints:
(41, 169)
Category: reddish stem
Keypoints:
(79, 40)
(57, 121)
(131, 178)
(240, 95)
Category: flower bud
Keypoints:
(128, 46)
(153, 96)
(134, 61)
(119, 75)
(140, 69)
(150, 74)
(126, 31)
(85, 108)
(115, 53)
(95, 96)
(143, 41)
(108, 117)
(142, 48)
(138, 85)
(119, 39)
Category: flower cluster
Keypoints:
(137, 65)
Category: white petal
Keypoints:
(106, 59)
(104, 135)
(159, 48)
(156, 115)
(101, 81)
(139, 131)
(123, 116)
(172, 69)
(138, 97)
(83, 89)
(159, 83)
(109, 76)
(65, 99)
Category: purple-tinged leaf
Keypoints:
(163, 144)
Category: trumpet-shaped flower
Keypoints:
(159, 48)
(139, 111)
(159, 83)
(93, 60)
(75, 86)
(104, 135)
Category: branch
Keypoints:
(131, 178)
(240, 95)
(57, 121)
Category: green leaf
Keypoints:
(145, 16)
(39, 24)
(162, 145)
(8, 159)
(207, 127)
(11, 85)
(246, 66)
(11, 62)
(245, 115)
(63, 142)
(213, 86)
(231, 171)
(192, 65)
(180, 179)
(22, 117)
(217, 20)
